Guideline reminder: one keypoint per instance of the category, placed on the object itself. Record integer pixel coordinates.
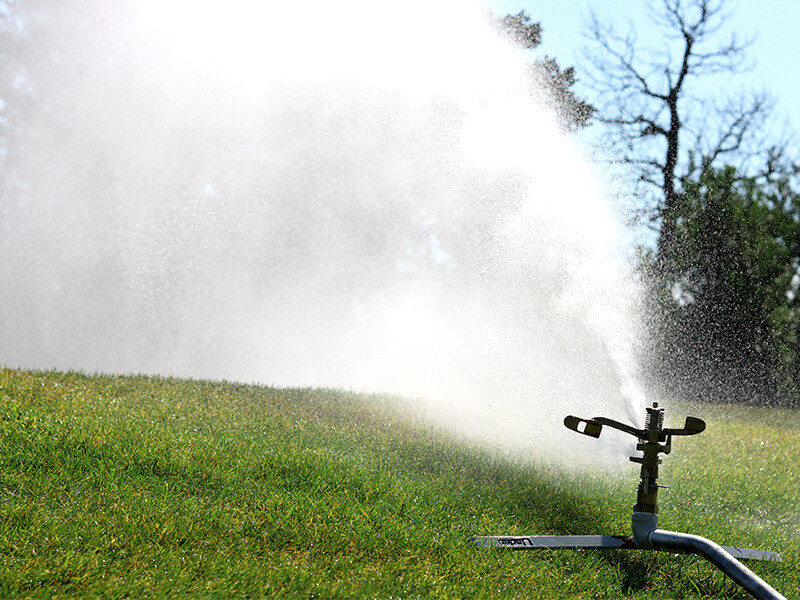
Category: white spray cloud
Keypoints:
(353, 194)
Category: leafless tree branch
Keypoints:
(645, 94)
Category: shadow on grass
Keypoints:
(633, 569)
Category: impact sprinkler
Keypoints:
(653, 440)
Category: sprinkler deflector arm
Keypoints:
(594, 426)
(653, 440)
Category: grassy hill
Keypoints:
(137, 487)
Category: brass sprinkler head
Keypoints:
(653, 440)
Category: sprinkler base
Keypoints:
(653, 439)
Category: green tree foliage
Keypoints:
(549, 83)
(726, 296)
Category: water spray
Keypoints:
(653, 440)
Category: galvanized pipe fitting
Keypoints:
(685, 542)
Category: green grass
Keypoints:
(136, 487)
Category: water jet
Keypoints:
(653, 439)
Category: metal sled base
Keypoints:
(583, 542)
(550, 542)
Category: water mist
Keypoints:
(352, 194)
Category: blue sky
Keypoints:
(774, 24)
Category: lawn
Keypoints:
(142, 487)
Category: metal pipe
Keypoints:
(684, 542)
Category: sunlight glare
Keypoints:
(251, 43)
(213, 38)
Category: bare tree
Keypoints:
(646, 94)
